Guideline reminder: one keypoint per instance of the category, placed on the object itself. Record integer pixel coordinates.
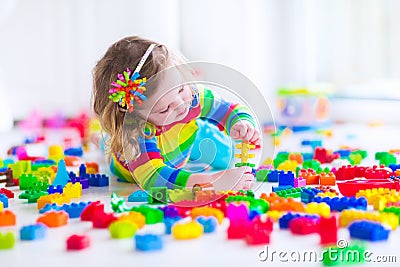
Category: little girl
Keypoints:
(153, 132)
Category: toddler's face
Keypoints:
(170, 103)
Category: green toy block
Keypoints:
(152, 215)
(26, 181)
(40, 186)
(260, 205)
(21, 167)
(387, 160)
(394, 210)
(122, 229)
(176, 195)
(362, 153)
(335, 256)
(158, 195)
(379, 155)
(36, 166)
(239, 164)
(291, 192)
(311, 164)
(1, 163)
(355, 159)
(262, 175)
(32, 195)
(239, 199)
(7, 240)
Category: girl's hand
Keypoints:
(243, 130)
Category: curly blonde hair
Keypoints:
(123, 54)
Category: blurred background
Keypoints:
(344, 50)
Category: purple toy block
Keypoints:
(299, 182)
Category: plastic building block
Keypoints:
(91, 209)
(331, 255)
(74, 151)
(190, 230)
(62, 176)
(258, 231)
(207, 211)
(56, 153)
(312, 143)
(152, 215)
(102, 219)
(169, 211)
(321, 209)
(82, 170)
(262, 175)
(275, 215)
(288, 204)
(53, 198)
(307, 194)
(370, 231)
(158, 195)
(299, 182)
(304, 226)
(285, 220)
(78, 242)
(72, 161)
(54, 218)
(376, 172)
(327, 179)
(207, 195)
(98, 180)
(32, 195)
(73, 190)
(288, 165)
(169, 222)
(4, 200)
(328, 230)
(122, 229)
(296, 157)
(351, 188)
(282, 187)
(273, 176)
(348, 216)
(324, 156)
(244, 155)
(55, 189)
(339, 204)
(1, 207)
(209, 223)
(7, 218)
(92, 168)
(311, 164)
(135, 217)
(291, 192)
(33, 232)
(286, 179)
(239, 218)
(118, 203)
(26, 181)
(7, 192)
(148, 242)
(260, 205)
(310, 176)
(138, 196)
(7, 240)
(82, 180)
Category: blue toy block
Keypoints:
(74, 151)
(307, 194)
(209, 223)
(138, 196)
(4, 199)
(286, 179)
(82, 170)
(55, 189)
(307, 156)
(62, 176)
(340, 204)
(169, 211)
(74, 210)
(367, 230)
(33, 232)
(253, 214)
(394, 167)
(49, 207)
(169, 222)
(148, 242)
(273, 176)
(344, 153)
(280, 188)
(82, 180)
(97, 180)
(286, 219)
(312, 143)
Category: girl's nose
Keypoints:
(177, 102)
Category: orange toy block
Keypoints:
(207, 211)
(54, 218)
(7, 218)
(92, 168)
(310, 176)
(208, 195)
(53, 198)
(327, 179)
(73, 190)
(297, 157)
(135, 217)
(72, 161)
(272, 197)
(288, 205)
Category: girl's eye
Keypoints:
(181, 90)
(165, 111)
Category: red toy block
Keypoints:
(78, 242)
(346, 173)
(7, 218)
(7, 192)
(91, 209)
(304, 226)
(376, 172)
(327, 179)
(328, 230)
(323, 156)
(92, 167)
(259, 231)
(359, 171)
(54, 218)
(102, 219)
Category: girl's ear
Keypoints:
(124, 110)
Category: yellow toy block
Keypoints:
(327, 194)
(275, 215)
(1, 206)
(56, 152)
(244, 155)
(207, 211)
(190, 230)
(73, 190)
(348, 216)
(176, 195)
(135, 217)
(45, 174)
(57, 198)
(321, 209)
(288, 165)
(268, 161)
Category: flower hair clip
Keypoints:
(129, 87)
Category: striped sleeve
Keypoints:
(150, 170)
(221, 112)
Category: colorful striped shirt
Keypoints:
(163, 156)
